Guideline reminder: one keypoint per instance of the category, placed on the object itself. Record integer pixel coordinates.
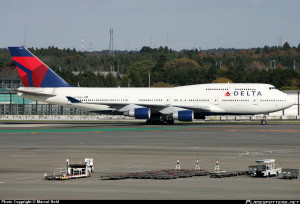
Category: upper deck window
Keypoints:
(216, 89)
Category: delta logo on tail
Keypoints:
(33, 72)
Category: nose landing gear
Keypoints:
(264, 121)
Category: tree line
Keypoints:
(276, 65)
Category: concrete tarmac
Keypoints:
(29, 150)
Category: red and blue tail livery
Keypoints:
(33, 72)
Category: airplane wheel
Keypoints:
(263, 122)
(170, 122)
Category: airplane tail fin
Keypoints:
(33, 72)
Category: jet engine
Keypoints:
(139, 113)
(184, 115)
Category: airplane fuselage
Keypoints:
(203, 99)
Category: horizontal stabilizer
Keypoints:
(35, 93)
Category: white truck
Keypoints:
(264, 168)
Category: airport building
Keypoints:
(14, 107)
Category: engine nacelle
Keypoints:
(139, 113)
(184, 115)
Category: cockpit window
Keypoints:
(272, 88)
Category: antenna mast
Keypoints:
(111, 41)
(82, 44)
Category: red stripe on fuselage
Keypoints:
(37, 68)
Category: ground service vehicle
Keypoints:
(264, 168)
(74, 170)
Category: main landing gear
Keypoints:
(159, 122)
(157, 119)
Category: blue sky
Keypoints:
(178, 24)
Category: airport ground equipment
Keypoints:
(177, 165)
(217, 168)
(73, 170)
(197, 167)
(157, 174)
(227, 174)
(264, 168)
(218, 173)
(288, 173)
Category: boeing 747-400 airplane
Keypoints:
(157, 105)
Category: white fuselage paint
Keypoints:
(231, 98)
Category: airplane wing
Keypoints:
(110, 105)
(164, 109)
(35, 93)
